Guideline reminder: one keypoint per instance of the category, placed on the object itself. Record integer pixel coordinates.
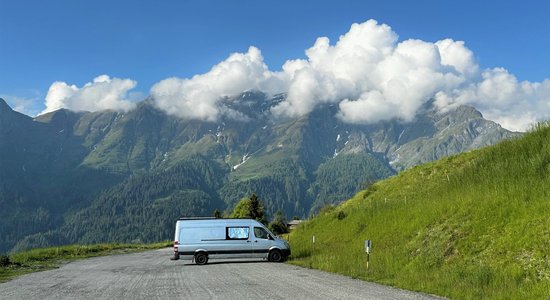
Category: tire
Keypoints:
(275, 255)
(201, 258)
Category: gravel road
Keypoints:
(152, 275)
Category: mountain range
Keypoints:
(86, 177)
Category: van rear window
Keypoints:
(237, 233)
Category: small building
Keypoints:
(293, 224)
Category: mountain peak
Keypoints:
(4, 107)
(467, 111)
(60, 119)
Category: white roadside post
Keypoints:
(368, 246)
(313, 243)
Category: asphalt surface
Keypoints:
(152, 275)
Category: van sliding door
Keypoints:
(238, 243)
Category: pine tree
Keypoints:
(249, 208)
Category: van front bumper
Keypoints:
(286, 252)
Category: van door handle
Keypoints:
(255, 241)
(248, 241)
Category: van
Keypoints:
(200, 239)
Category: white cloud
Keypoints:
(373, 77)
(334, 73)
(455, 55)
(502, 98)
(100, 94)
(369, 74)
(200, 97)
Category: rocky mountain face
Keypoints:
(84, 177)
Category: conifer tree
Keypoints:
(249, 208)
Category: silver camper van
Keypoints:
(199, 239)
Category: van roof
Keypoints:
(213, 218)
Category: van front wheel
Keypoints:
(201, 258)
(275, 255)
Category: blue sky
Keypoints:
(148, 41)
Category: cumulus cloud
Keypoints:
(334, 73)
(100, 94)
(369, 74)
(372, 77)
(501, 97)
(200, 97)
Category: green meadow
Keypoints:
(471, 226)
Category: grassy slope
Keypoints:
(49, 258)
(476, 225)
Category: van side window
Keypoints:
(236, 233)
(260, 233)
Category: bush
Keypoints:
(341, 215)
(4, 261)
(278, 225)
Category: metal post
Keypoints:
(368, 246)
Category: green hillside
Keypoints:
(471, 226)
(140, 209)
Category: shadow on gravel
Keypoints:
(223, 262)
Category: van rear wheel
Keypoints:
(201, 258)
(275, 255)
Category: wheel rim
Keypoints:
(201, 259)
(275, 256)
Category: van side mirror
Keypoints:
(270, 237)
